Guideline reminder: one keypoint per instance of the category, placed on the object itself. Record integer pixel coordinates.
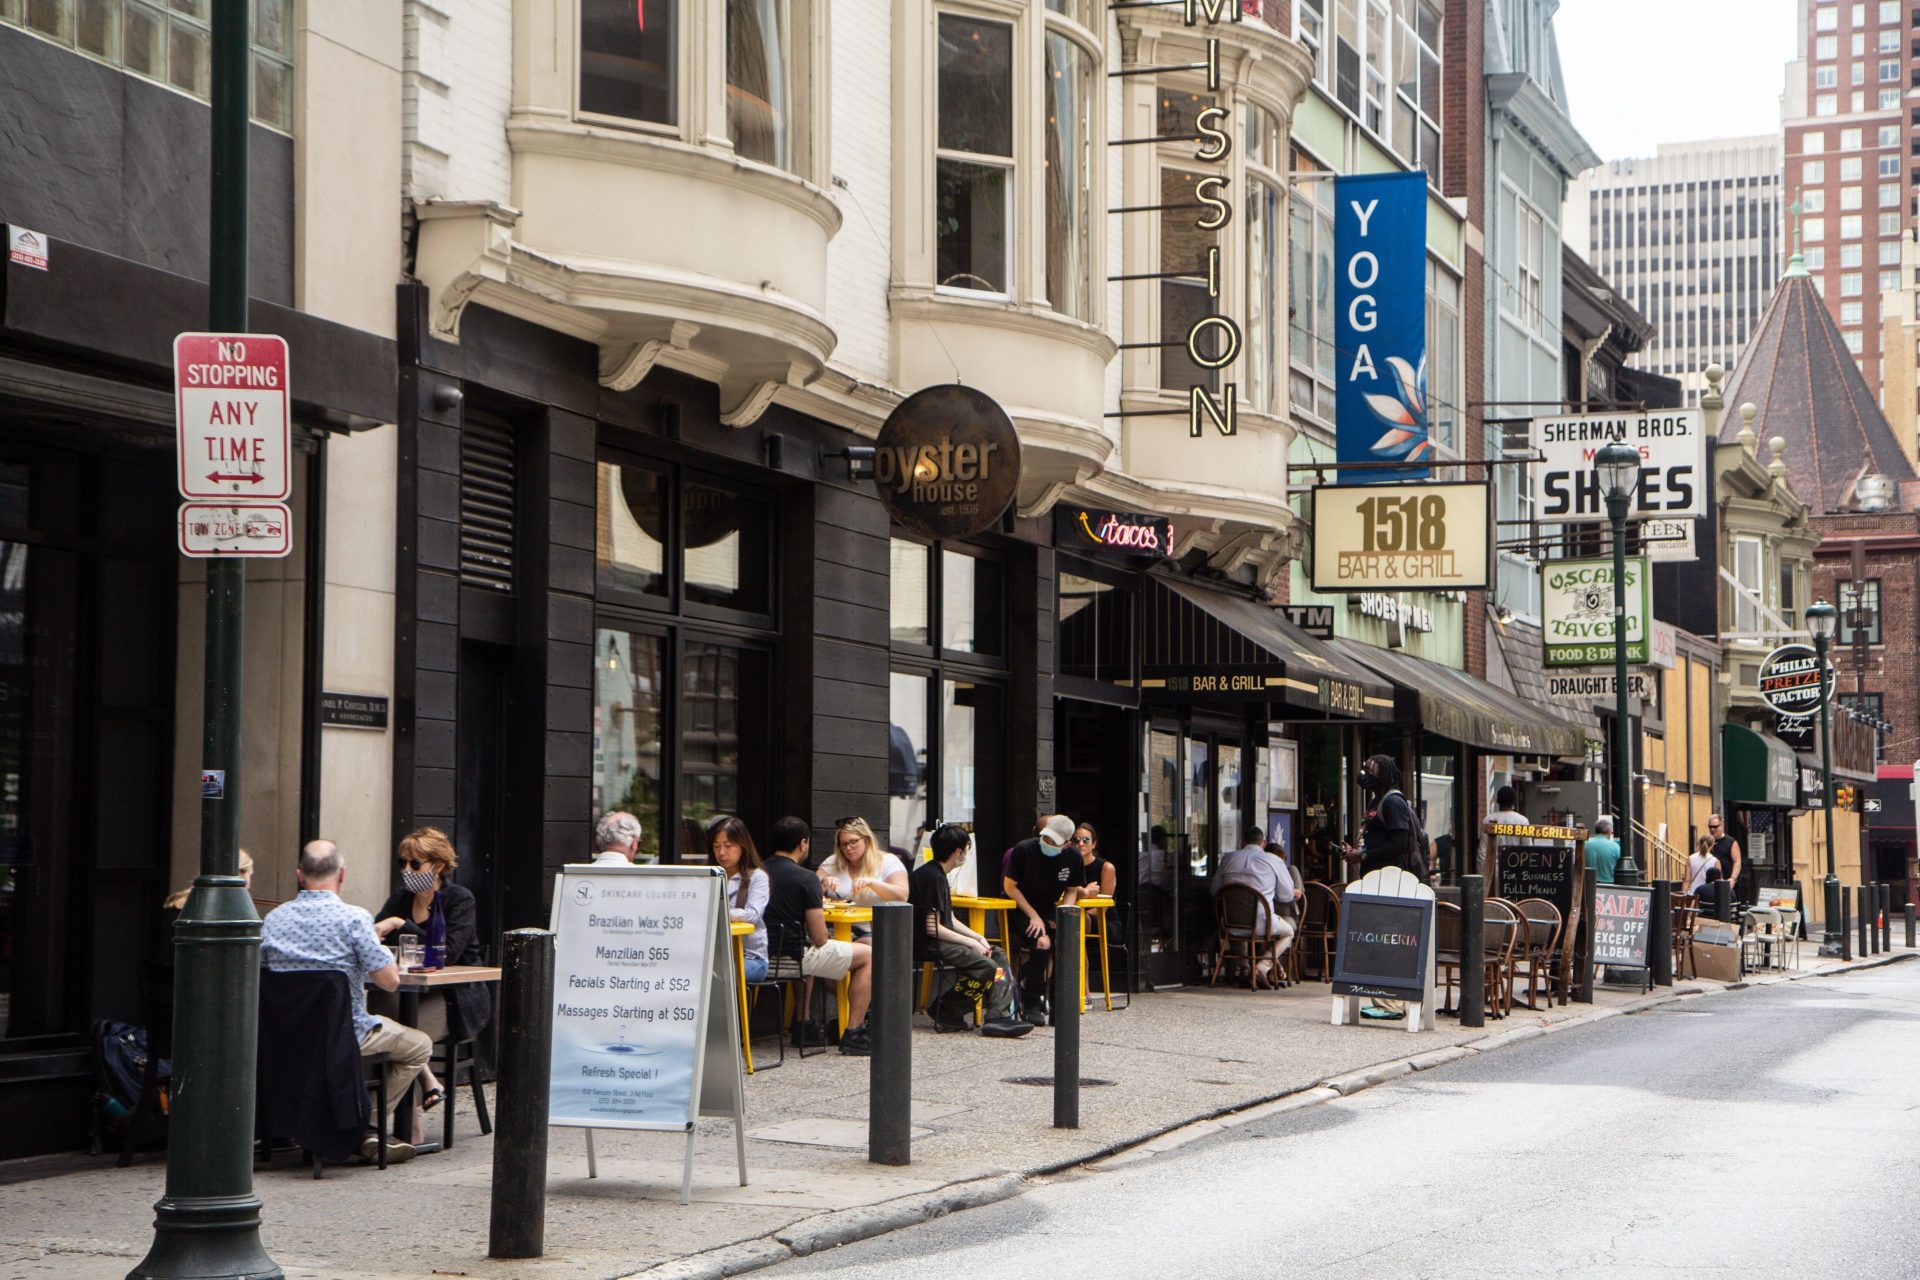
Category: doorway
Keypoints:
(1197, 790)
(1095, 784)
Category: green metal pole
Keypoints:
(1627, 872)
(207, 1224)
(1833, 943)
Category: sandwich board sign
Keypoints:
(1385, 949)
(645, 1024)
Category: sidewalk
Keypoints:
(1174, 1058)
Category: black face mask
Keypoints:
(1371, 781)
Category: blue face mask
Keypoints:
(1050, 850)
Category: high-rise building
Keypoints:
(1847, 128)
(1691, 236)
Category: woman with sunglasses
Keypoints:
(1098, 875)
(860, 870)
(443, 915)
(730, 846)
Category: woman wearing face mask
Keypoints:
(730, 845)
(443, 915)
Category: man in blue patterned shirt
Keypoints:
(318, 931)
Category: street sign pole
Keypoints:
(207, 1223)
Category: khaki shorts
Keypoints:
(832, 960)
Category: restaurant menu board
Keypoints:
(1537, 871)
(1383, 947)
(1622, 919)
(642, 998)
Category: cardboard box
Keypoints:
(1711, 960)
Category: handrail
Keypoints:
(1671, 864)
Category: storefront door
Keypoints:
(1195, 808)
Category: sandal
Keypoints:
(432, 1099)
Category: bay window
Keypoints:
(1262, 148)
(757, 90)
(1310, 296)
(629, 60)
(1070, 169)
(1416, 69)
(1443, 357)
(974, 166)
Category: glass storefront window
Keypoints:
(907, 760)
(630, 689)
(727, 556)
(628, 60)
(631, 550)
(958, 733)
(709, 732)
(970, 604)
(1096, 629)
(1199, 812)
(1159, 918)
(910, 568)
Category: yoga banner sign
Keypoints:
(1380, 324)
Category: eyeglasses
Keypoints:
(1083, 839)
(414, 864)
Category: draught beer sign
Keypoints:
(1401, 537)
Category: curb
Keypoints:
(848, 1226)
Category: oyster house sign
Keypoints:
(947, 461)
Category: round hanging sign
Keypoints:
(1789, 680)
(947, 461)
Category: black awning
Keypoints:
(1454, 704)
(1206, 645)
(1894, 789)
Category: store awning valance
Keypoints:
(1894, 787)
(1208, 646)
(1457, 705)
(1759, 768)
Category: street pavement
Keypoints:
(1768, 1130)
(1173, 1059)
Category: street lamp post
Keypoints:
(1618, 466)
(1822, 620)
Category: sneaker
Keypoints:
(1379, 1014)
(943, 1026)
(857, 1043)
(1006, 1028)
(808, 1035)
(397, 1152)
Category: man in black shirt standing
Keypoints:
(939, 938)
(797, 932)
(1037, 875)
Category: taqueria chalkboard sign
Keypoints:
(1622, 920)
(1383, 947)
(1536, 871)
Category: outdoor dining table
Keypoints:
(841, 917)
(977, 908)
(412, 983)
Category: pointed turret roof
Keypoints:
(1799, 375)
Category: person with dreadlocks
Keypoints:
(1389, 837)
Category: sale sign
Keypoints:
(233, 416)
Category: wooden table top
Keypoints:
(453, 975)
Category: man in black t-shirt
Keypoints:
(939, 938)
(797, 932)
(1389, 837)
(1037, 875)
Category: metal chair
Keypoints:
(1540, 942)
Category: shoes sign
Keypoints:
(1672, 484)
(233, 426)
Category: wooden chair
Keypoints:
(1539, 945)
(1243, 922)
(1446, 952)
(1685, 911)
(1319, 928)
(1505, 927)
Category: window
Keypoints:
(1890, 253)
(1890, 71)
(1890, 11)
(1826, 77)
(1849, 141)
(1853, 341)
(1849, 313)
(1788, 597)
(1849, 255)
(1859, 606)
(1850, 226)
(1374, 73)
(1889, 195)
(1826, 104)
(1889, 166)
(946, 703)
(1184, 301)
(1416, 120)
(1815, 258)
(1812, 171)
(630, 60)
(1310, 295)
(1858, 71)
(758, 96)
(1747, 572)
(1849, 197)
(1444, 348)
(1097, 625)
(1888, 135)
(1889, 281)
(172, 47)
(1813, 142)
(668, 534)
(1826, 20)
(1824, 47)
(1266, 247)
(1873, 707)
(1813, 201)
(1890, 41)
(1070, 202)
(1850, 284)
(1889, 224)
(1889, 100)
(1518, 585)
(973, 218)
(1530, 249)
(1815, 228)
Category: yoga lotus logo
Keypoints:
(1406, 416)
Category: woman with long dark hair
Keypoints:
(731, 847)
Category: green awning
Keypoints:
(1759, 768)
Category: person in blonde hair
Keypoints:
(860, 870)
(177, 900)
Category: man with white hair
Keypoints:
(1603, 851)
(616, 839)
(317, 931)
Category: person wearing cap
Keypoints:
(1037, 875)
(1603, 851)
(616, 839)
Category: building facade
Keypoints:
(1691, 236)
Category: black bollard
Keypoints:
(1873, 917)
(1846, 924)
(1067, 960)
(1723, 900)
(1583, 949)
(1865, 922)
(1886, 917)
(517, 1224)
(1473, 951)
(1660, 934)
(890, 1078)
(1910, 925)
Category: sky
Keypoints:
(1643, 72)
